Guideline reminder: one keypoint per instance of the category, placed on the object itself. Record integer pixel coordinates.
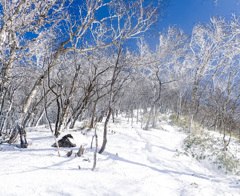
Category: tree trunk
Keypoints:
(111, 100)
(154, 117)
(95, 152)
(3, 127)
(190, 121)
(93, 114)
(105, 131)
(113, 117)
(179, 106)
(132, 117)
(49, 123)
(73, 121)
(149, 118)
(40, 118)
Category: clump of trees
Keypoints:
(59, 66)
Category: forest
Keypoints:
(63, 61)
(148, 116)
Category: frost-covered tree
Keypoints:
(23, 24)
(210, 46)
(83, 31)
(163, 66)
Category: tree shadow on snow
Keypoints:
(55, 166)
(164, 171)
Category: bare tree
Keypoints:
(125, 20)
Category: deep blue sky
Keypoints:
(186, 13)
(183, 14)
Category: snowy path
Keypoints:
(152, 155)
(135, 162)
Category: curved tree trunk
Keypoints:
(105, 131)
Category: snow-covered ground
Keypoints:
(135, 162)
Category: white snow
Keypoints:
(135, 162)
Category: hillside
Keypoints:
(135, 162)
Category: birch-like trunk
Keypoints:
(149, 118)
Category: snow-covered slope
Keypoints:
(135, 162)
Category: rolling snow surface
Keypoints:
(135, 162)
